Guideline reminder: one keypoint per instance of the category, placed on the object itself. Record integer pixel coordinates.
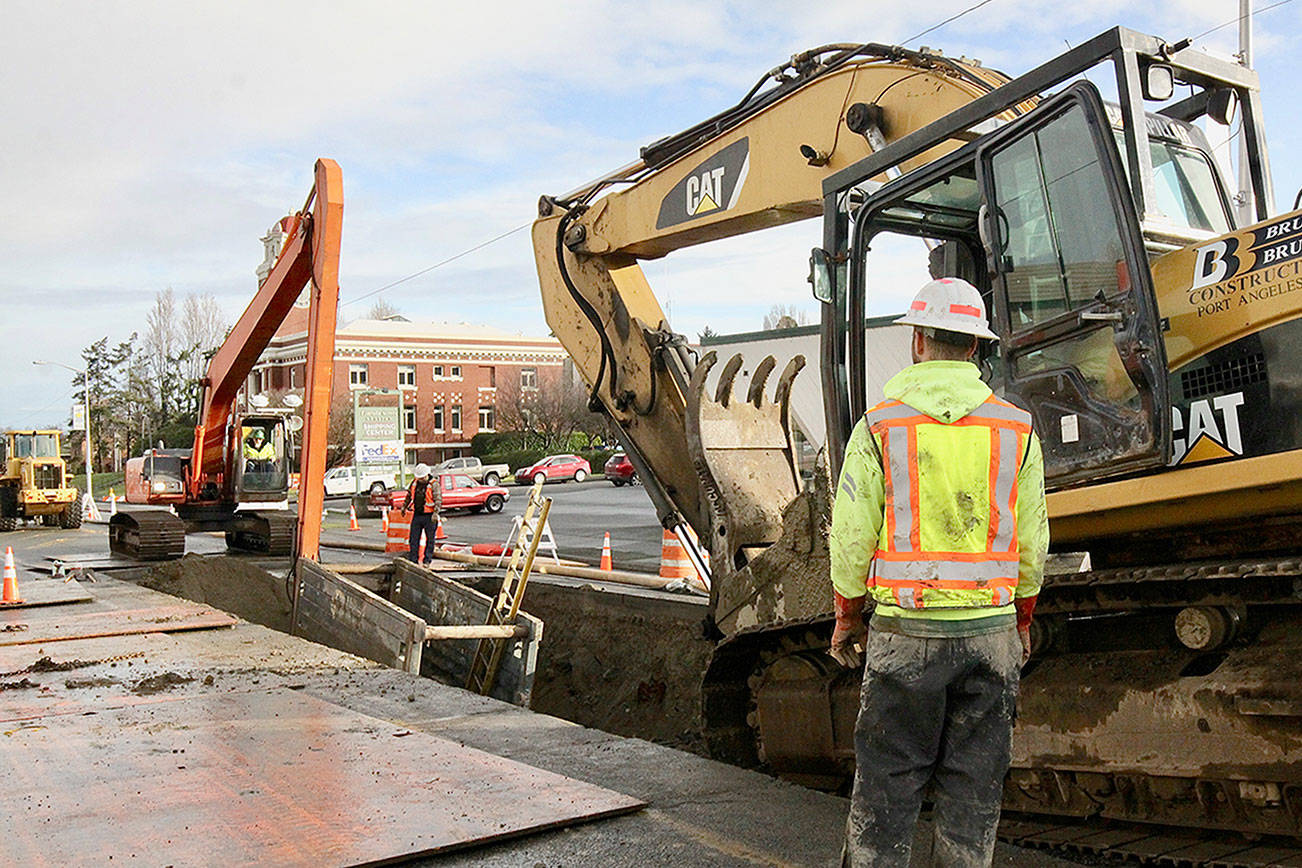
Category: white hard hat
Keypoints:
(422, 470)
(952, 304)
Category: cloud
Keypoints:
(150, 144)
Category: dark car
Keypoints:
(619, 470)
(555, 468)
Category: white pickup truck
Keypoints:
(488, 474)
(340, 482)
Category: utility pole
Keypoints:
(85, 382)
(1245, 200)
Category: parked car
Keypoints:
(340, 481)
(619, 470)
(461, 492)
(489, 474)
(555, 468)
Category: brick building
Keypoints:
(454, 377)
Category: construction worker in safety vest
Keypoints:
(939, 521)
(424, 500)
(258, 453)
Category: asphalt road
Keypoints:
(581, 514)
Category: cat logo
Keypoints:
(1213, 430)
(711, 186)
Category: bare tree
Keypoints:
(785, 316)
(202, 330)
(160, 346)
(381, 309)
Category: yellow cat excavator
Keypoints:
(1152, 338)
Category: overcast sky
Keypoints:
(149, 144)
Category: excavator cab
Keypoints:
(261, 460)
(1035, 216)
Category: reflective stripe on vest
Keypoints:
(902, 564)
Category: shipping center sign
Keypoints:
(377, 437)
(1218, 291)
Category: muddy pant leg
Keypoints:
(976, 748)
(420, 523)
(897, 736)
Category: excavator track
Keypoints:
(269, 533)
(1147, 845)
(1109, 689)
(147, 535)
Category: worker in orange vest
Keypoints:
(940, 520)
(423, 500)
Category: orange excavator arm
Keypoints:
(310, 252)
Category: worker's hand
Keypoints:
(1025, 607)
(850, 630)
(846, 645)
(1025, 636)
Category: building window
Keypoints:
(438, 419)
(407, 376)
(411, 459)
(293, 375)
(486, 419)
(357, 375)
(409, 419)
(456, 417)
(456, 371)
(528, 378)
(490, 374)
(438, 370)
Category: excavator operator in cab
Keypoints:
(259, 454)
(939, 518)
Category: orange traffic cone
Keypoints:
(384, 520)
(10, 597)
(438, 531)
(352, 518)
(674, 563)
(605, 553)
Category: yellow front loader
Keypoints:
(35, 482)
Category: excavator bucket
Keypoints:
(744, 453)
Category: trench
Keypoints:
(630, 664)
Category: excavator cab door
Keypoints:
(1081, 343)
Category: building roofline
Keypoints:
(871, 322)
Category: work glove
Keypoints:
(1025, 607)
(850, 630)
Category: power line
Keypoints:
(444, 262)
(955, 17)
(1241, 17)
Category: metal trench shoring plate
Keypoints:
(742, 449)
(276, 778)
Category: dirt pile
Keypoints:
(230, 584)
(625, 665)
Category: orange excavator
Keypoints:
(235, 477)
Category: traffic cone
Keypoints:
(352, 518)
(438, 531)
(674, 563)
(10, 597)
(384, 520)
(113, 503)
(605, 553)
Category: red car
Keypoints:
(555, 468)
(462, 492)
(619, 470)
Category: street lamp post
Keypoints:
(85, 381)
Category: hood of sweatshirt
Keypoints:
(945, 391)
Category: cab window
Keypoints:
(1060, 242)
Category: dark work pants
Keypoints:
(422, 522)
(936, 711)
